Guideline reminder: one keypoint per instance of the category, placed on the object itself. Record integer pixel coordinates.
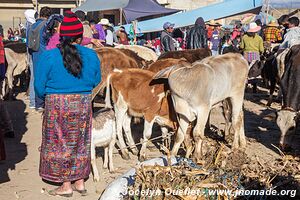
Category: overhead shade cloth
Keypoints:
(285, 4)
(215, 11)
(98, 5)
(142, 8)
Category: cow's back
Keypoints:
(191, 55)
(144, 52)
(140, 61)
(112, 58)
(164, 63)
(211, 80)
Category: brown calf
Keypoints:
(134, 96)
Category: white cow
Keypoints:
(103, 135)
(197, 87)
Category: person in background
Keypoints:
(45, 13)
(122, 36)
(51, 34)
(10, 34)
(109, 37)
(65, 77)
(252, 43)
(2, 56)
(197, 36)
(87, 30)
(166, 38)
(272, 34)
(98, 31)
(284, 24)
(292, 37)
(236, 31)
(215, 38)
(30, 16)
(260, 32)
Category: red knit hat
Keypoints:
(70, 26)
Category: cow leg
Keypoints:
(166, 141)
(93, 163)
(238, 122)
(105, 160)
(127, 130)
(120, 113)
(146, 135)
(188, 142)
(227, 116)
(272, 89)
(110, 155)
(180, 135)
(198, 133)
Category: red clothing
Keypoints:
(209, 32)
(2, 59)
(235, 33)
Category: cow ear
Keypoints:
(164, 73)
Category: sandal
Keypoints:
(82, 192)
(54, 193)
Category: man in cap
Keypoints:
(167, 41)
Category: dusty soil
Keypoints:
(19, 178)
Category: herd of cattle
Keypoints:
(177, 90)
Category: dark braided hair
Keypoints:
(71, 57)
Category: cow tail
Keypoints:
(107, 95)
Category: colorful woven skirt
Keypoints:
(250, 56)
(66, 138)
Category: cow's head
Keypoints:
(255, 68)
(165, 73)
(287, 123)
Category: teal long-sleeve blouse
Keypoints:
(51, 77)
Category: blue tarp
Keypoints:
(214, 11)
(290, 4)
(99, 5)
(142, 8)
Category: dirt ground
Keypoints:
(19, 178)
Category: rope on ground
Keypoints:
(140, 143)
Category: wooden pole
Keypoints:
(121, 16)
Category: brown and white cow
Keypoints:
(196, 88)
(133, 95)
(191, 55)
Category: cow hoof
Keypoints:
(134, 151)
(104, 166)
(112, 170)
(96, 179)
(125, 156)
(142, 158)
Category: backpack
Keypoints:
(34, 37)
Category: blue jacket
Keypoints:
(51, 76)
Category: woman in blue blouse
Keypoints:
(64, 78)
